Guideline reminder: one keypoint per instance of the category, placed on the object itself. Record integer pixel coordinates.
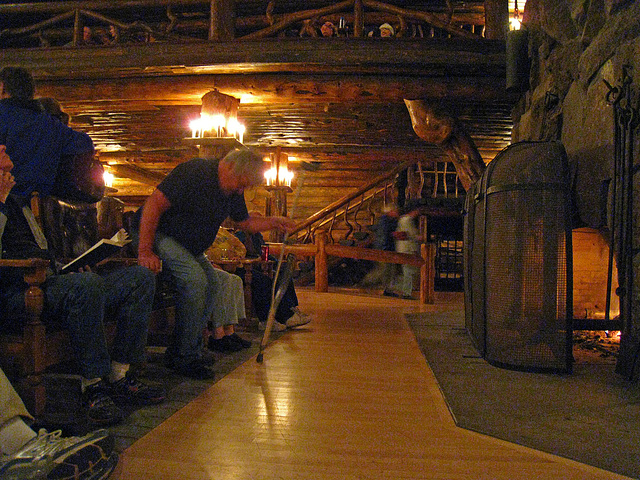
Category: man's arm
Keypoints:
(260, 224)
(153, 209)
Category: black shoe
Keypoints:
(101, 409)
(196, 369)
(389, 293)
(240, 341)
(224, 345)
(132, 391)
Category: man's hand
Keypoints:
(6, 184)
(282, 224)
(6, 179)
(150, 260)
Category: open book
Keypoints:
(101, 250)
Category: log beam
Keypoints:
(496, 13)
(270, 89)
(355, 56)
(436, 126)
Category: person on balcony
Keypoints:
(176, 225)
(78, 302)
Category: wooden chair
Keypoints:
(26, 353)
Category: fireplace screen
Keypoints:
(517, 240)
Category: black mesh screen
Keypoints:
(474, 266)
(526, 283)
(517, 239)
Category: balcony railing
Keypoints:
(79, 23)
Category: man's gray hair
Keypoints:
(247, 163)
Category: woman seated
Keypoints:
(288, 314)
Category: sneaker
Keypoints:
(224, 344)
(277, 326)
(51, 456)
(240, 341)
(132, 391)
(298, 318)
(197, 369)
(101, 409)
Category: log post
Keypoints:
(322, 268)
(427, 281)
(221, 25)
(34, 353)
(496, 19)
(358, 19)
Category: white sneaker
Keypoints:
(298, 318)
(51, 456)
(276, 327)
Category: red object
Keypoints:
(264, 252)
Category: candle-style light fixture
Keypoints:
(278, 175)
(218, 118)
(108, 178)
(517, 54)
(514, 21)
(278, 179)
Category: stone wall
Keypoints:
(575, 49)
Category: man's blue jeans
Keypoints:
(79, 303)
(195, 280)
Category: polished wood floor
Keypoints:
(348, 397)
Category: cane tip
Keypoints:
(259, 358)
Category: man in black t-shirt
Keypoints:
(175, 226)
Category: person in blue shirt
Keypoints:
(35, 140)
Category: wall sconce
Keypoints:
(108, 178)
(278, 175)
(514, 21)
(218, 118)
(517, 55)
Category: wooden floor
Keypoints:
(349, 397)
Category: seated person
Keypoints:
(78, 302)
(27, 454)
(288, 314)
(228, 310)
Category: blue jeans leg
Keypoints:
(129, 297)
(195, 283)
(76, 301)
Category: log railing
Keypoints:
(321, 250)
(58, 23)
(326, 218)
(315, 233)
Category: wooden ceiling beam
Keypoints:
(266, 88)
(422, 57)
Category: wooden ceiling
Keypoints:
(338, 101)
